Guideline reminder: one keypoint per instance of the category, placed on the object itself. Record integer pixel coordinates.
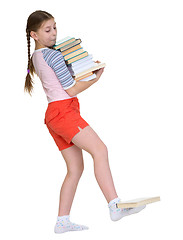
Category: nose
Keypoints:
(54, 32)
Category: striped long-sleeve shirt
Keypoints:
(55, 77)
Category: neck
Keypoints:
(38, 45)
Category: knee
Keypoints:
(76, 171)
(100, 151)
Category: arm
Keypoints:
(80, 86)
(56, 61)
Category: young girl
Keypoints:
(70, 131)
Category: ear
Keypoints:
(34, 35)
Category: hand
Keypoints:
(98, 72)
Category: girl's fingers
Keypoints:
(97, 61)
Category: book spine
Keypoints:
(89, 78)
(66, 47)
(65, 43)
(81, 60)
(76, 58)
(84, 76)
(73, 54)
(78, 46)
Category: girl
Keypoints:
(70, 131)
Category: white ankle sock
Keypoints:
(64, 224)
(118, 213)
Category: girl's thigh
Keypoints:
(88, 140)
(73, 157)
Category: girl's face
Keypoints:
(46, 34)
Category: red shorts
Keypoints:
(62, 119)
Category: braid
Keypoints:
(34, 22)
(30, 68)
(28, 45)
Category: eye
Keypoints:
(47, 30)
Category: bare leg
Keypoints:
(74, 161)
(89, 141)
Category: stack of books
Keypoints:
(78, 61)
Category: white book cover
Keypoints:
(81, 60)
(83, 68)
(83, 64)
(94, 68)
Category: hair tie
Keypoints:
(28, 71)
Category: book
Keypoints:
(71, 49)
(84, 76)
(94, 68)
(70, 45)
(137, 202)
(73, 59)
(80, 64)
(73, 54)
(62, 40)
(81, 61)
(61, 44)
(84, 66)
(88, 78)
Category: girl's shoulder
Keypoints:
(51, 56)
(48, 50)
(51, 52)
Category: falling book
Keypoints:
(137, 202)
(94, 68)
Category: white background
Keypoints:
(136, 109)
